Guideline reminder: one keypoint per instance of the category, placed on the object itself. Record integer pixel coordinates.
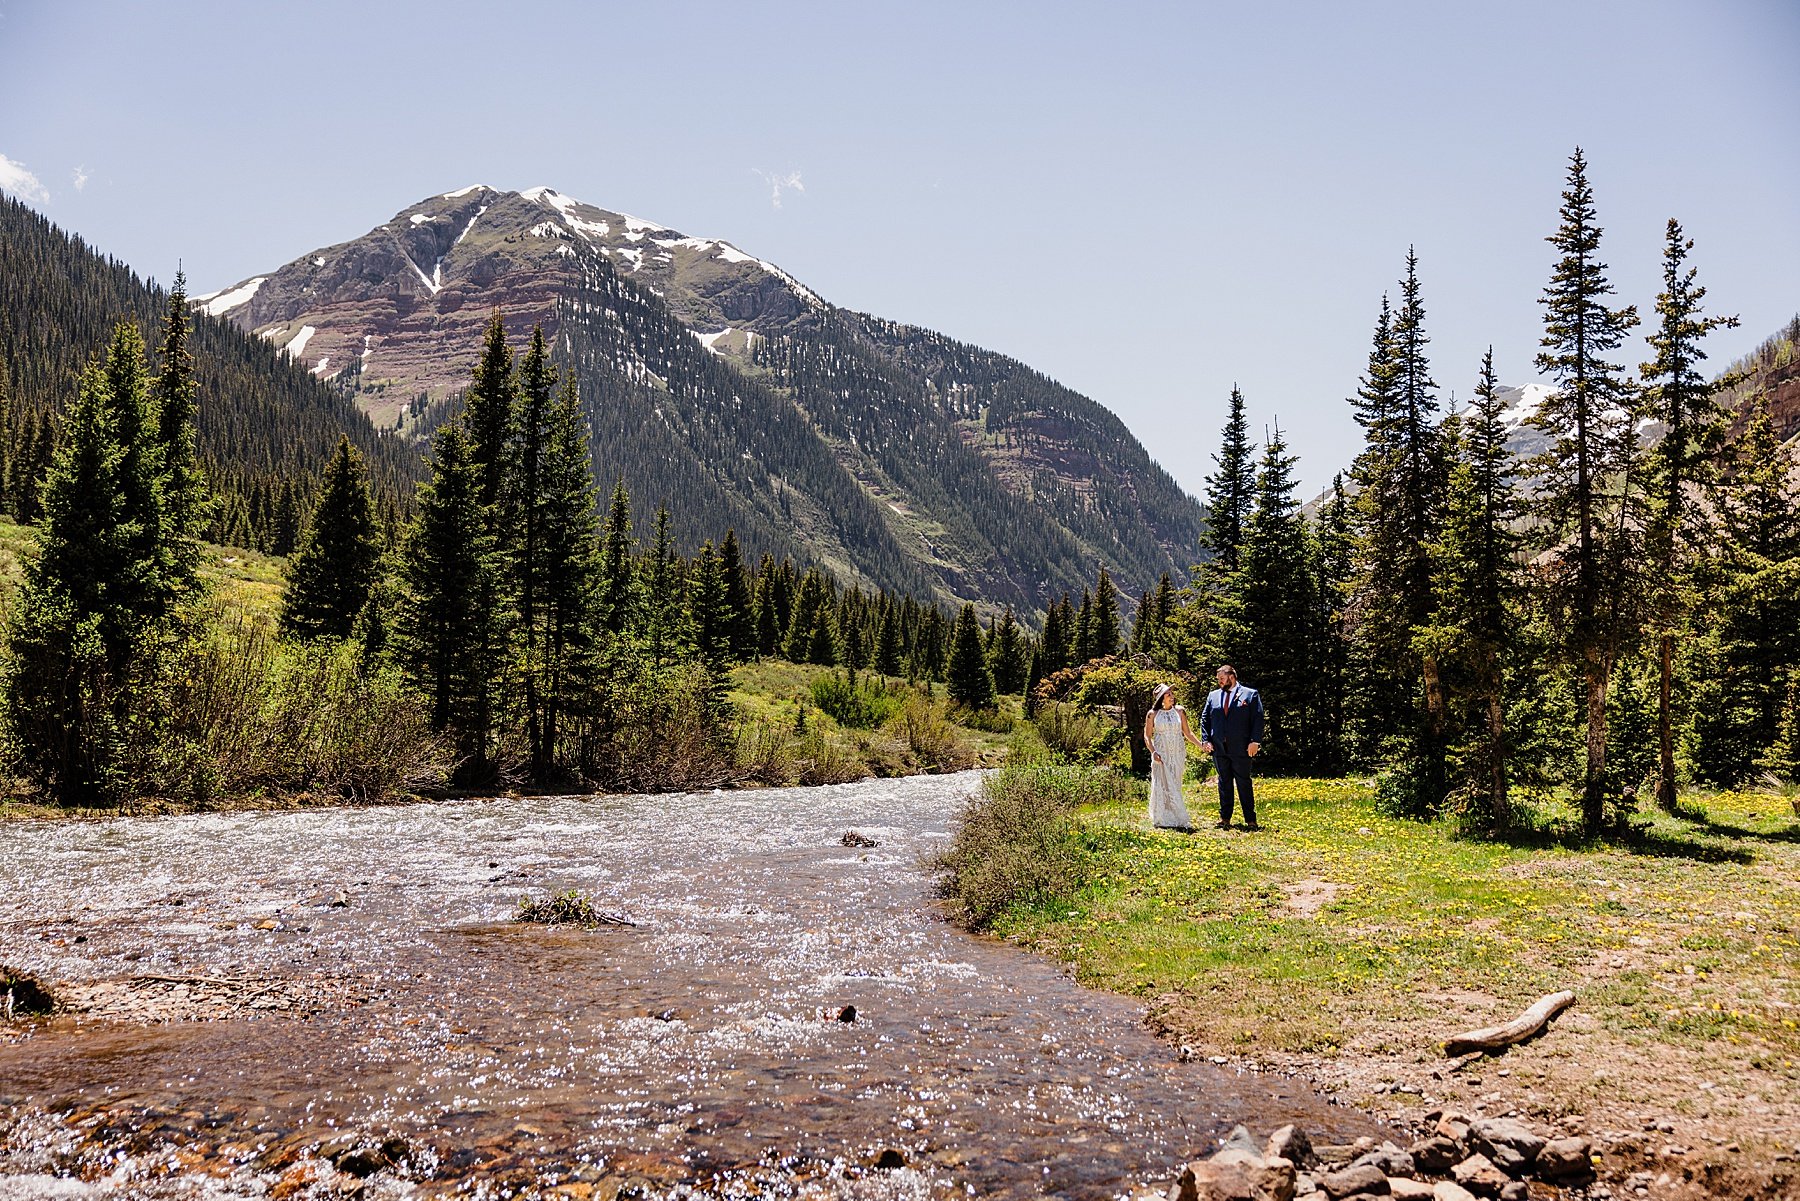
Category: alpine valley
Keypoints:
(720, 385)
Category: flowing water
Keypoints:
(264, 992)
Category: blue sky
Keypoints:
(1146, 201)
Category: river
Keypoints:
(259, 990)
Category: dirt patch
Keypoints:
(1666, 1129)
(21, 994)
(1307, 897)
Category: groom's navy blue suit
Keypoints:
(1231, 721)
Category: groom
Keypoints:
(1232, 727)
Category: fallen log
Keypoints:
(1526, 1025)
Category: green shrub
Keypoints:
(824, 758)
(861, 703)
(992, 721)
(930, 737)
(1017, 842)
(1069, 731)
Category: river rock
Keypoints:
(1565, 1159)
(1518, 1190)
(1453, 1126)
(1435, 1155)
(1305, 1184)
(1290, 1143)
(1235, 1175)
(1449, 1190)
(1357, 1178)
(1240, 1139)
(1337, 1154)
(1512, 1145)
(1479, 1175)
(1403, 1189)
(1390, 1159)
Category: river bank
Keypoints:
(1341, 947)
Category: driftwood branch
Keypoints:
(1526, 1025)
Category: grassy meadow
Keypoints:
(1347, 945)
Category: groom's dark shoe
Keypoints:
(1252, 826)
(1223, 826)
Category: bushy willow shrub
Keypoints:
(1018, 842)
(246, 713)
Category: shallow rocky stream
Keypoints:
(260, 996)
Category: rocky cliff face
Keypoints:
(934, 465)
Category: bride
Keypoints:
(1166, 733)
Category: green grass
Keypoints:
(243, 581)
(1684, 947)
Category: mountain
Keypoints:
(265, 426)
(1772, 369)
(720, 385)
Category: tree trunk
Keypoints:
(1665, 724)
(1593, 790)
(1137, 707)
(1502, 805)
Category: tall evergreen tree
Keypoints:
(1686, 403)
(333, 574)
(740, 612)
(1231, 490)
(664, 588)
(887, 643)
(1336, 541)
(557, 561)
(182, 484)
(451, 628)
(1083, 641)
(969, 681)
(490, 414)
(1472, 632)
(73, 637)
(1753, 616)
(1267, 609)
(1011, 656)
(1585, 474)
(618, 583)
(708, 616)
(1103, 628)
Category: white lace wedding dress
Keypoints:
(1167, 808)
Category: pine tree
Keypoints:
(887, 643)
(771, 623)
(1473, 628)
(1055, 652)
(558, 564)
(706, 609)
(1011, 656)
(1753, 612)
(1267, 609)
(73, 637)
(182, 484)
(146, 590)
(1336, 541)
(1084, 628)
(1231, 490)
(1686, 403)
(331, 576)
(451, 625)
(1103, 627)
(740, 612)
(490, 415)
(970, 683)
(664, 587)
(1584, 475)
(618, 584)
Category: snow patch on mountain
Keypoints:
(1526, 403)
(461, 192)
(297, 346)
(215, 304)
(470, 225)
(709, 340)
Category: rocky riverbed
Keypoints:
(337, 1003)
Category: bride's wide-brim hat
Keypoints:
(1161, 691)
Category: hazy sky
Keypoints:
(1146, 201)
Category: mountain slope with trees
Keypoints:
(717, 384)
